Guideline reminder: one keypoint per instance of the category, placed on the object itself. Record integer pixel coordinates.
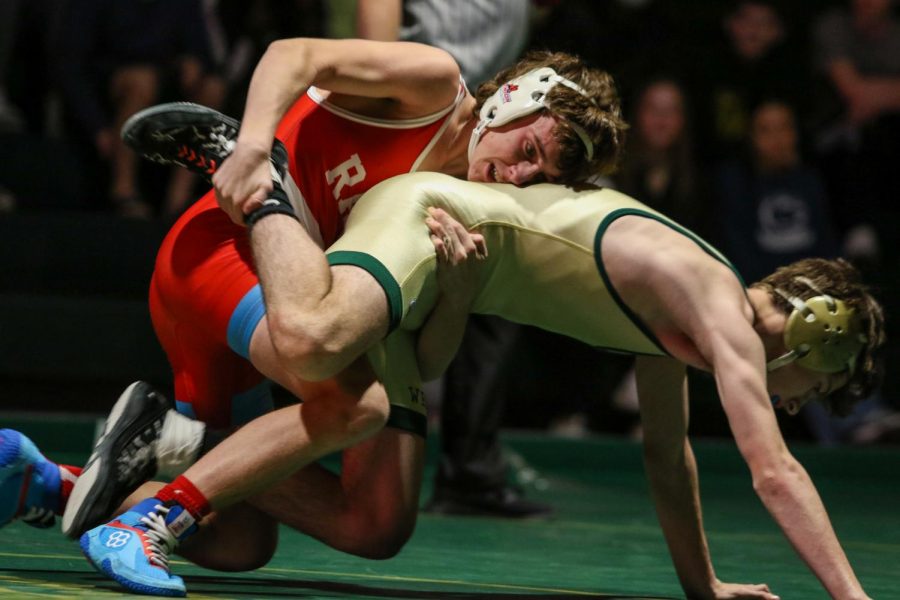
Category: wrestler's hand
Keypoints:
(243, 181)
(739, 591)
(458, 251)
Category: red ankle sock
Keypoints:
(186, 494)
(68, 474)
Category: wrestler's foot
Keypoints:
(124, 457)
(30, 485)
(134, 549)
(189, 135)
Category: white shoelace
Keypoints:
(223, 142)
(159, 538)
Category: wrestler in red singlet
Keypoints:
(205, 298)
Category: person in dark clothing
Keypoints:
(472, 472)
(751, 63)
(115, 58)
(773, 208)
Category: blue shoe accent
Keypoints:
(134, 549)
(29, 483)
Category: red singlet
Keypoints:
(205, 298)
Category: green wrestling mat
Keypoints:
(603, 541)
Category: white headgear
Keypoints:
(522, 96)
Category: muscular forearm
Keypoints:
(283, 73)
(789, 495)
(439, 339)
(675, 490)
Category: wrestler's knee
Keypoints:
(308, 348)
(348, 416)
(382, 537)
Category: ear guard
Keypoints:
(823, 334)
(521, 97)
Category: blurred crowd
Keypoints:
(769, 128)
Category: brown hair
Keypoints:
(599, 114)
(840, 279)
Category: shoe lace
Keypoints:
(223, 141)
(137, 459)
(160, 539)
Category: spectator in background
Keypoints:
(483, 36)
(857, 52)
(749, 65)
(772, 207)
(659, 166)
(243, 31)
(115, 58)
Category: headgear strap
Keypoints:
(522, 96)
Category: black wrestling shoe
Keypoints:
(505, 502)
(124, 457)
(189, 135)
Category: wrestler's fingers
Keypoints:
(481, 251)
(434, 226)
(440, 248)
(254, 200)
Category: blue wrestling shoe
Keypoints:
(134, 549)
(29, 483)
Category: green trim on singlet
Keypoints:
(377, 270)
(407, 419)
(622, 212)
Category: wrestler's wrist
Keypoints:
(276, 203)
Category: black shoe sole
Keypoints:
(100, 489)
(177, 133)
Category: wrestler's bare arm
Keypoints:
(672, 473)
(458, 254)
(420, 79)
(396, 79)
(723, 334)
(700, 311)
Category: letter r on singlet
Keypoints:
(349, 172)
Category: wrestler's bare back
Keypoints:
(670, 282)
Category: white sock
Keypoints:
(179, 444)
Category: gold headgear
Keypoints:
(822, 334)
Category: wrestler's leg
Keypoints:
(369, 509)
(238, 538)
(276, 444)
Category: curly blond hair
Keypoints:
(599, 114)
